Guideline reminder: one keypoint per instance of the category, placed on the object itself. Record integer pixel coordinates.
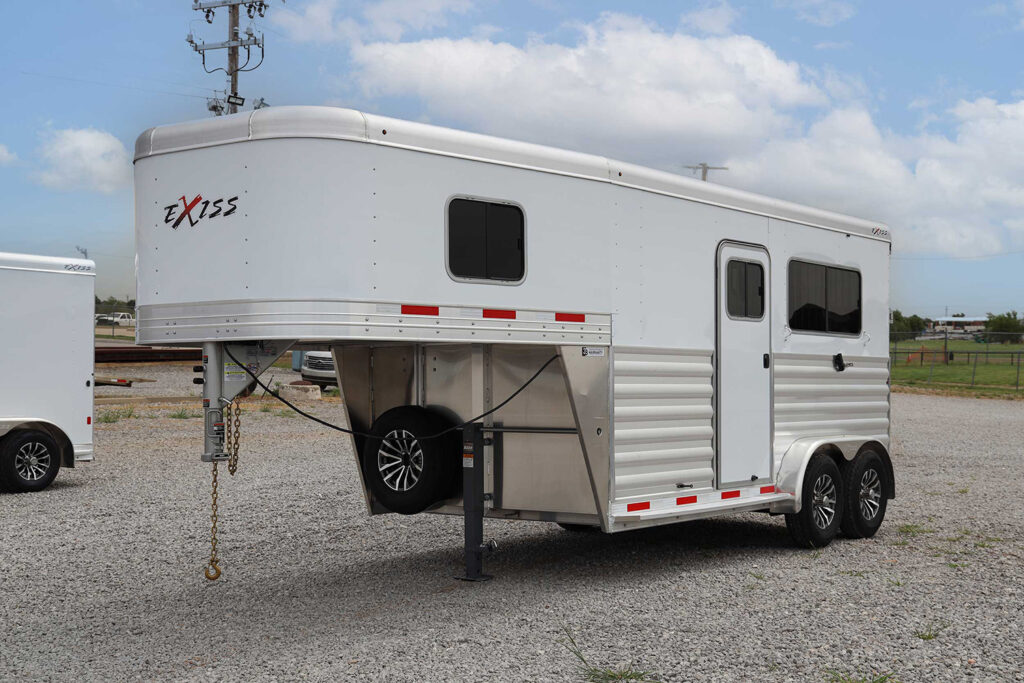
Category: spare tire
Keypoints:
(406, 472)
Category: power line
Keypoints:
(111, 85)
(956, 258)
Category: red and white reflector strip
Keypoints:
(489, 313)
(710, 498)
(499, 313)
(420, 310)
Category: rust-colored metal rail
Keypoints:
(146, 354)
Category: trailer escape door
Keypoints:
(744, 399)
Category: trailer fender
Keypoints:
(790, 476)
(67, 451)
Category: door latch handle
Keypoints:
(767, 360)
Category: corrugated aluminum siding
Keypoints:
(813, 399)
(663, 421)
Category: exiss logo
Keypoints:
(198, 209)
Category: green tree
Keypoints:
(1005, 328)
(905, 327)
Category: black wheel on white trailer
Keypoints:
(406, 472)
(865, 483)
(29, 461)
(821, 508)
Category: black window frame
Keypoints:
(825, 309)
(448, 242)
(746, 263)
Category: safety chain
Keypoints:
(231, 434)
(213, 569)
(232, 427)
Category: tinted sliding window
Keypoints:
(485, 240)
(745, 290)
(824, 298)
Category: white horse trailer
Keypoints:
(46, 361)
(714, 351)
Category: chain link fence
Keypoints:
(115, 320)
(963, 359)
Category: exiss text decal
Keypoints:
(198, 209)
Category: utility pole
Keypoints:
(233, 45)
(233, 57)
(83, 252)
(704, 168)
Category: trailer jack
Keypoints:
(473, 443)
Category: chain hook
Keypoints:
(213, 568)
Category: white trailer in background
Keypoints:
(712, 350)
(46, 362)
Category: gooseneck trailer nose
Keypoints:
(711, 350)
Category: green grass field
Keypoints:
(973, 366)
(991, 375)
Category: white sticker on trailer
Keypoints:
(595, 351)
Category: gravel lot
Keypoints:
(101, 575)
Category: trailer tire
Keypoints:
(29, 461)
(821, 510)
(864, 483)
(405, 473)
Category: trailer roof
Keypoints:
(56, 264)
(347, 124)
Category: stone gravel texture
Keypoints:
(101, 575)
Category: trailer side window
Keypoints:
(824, 298)
(745, 290)
(485, 240)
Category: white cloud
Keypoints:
(318, 22)
(7, 157)
(957, 195)
(635, 91)
(820, 12)
(715, 19)
(315, 23)
(392, 18)
(833, 45)
(84, 159)
(627, 89)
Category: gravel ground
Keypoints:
(101, 575)
(170, 379)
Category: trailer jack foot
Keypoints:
(473, 504)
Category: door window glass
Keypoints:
(744, 289)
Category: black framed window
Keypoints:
(485, 240)
(745, 289)
(824, 298)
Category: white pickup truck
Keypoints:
(126, 319)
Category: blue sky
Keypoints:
(907, 112)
